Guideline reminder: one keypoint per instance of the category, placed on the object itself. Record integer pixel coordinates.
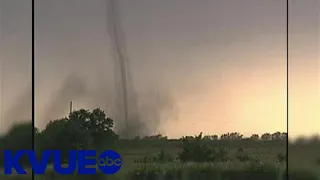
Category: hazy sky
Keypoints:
(209, 65)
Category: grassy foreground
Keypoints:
(188, 172)
(261, 161)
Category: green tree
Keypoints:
(18, 137)
(100, 129)
(53, 136)
(284, 136)
(266, 136)
(254, 137)
(276, 136)
(81, 130)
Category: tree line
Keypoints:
(85, 129)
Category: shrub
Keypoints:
(194, 150)
(164, 157)
(145, 159)
(160, 158)
(281, 157)
(242, 156)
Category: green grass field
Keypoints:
(263, 162)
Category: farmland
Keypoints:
(226, 157)
(141, 160)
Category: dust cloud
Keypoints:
(149, 104)
(148, 107)
(19, 112)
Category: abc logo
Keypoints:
(109, 162)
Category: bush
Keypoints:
(145, 160)
(240, 150)
(242, 156)
(281, 157)
(162, 157)
(195, 150)
(17, 138)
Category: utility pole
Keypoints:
(70, 107)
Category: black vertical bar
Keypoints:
(287, 164)
(33, 88)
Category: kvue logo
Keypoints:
(109, 162)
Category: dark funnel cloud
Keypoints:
(82, 60)
(139, 117)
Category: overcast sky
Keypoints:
(209, 65)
